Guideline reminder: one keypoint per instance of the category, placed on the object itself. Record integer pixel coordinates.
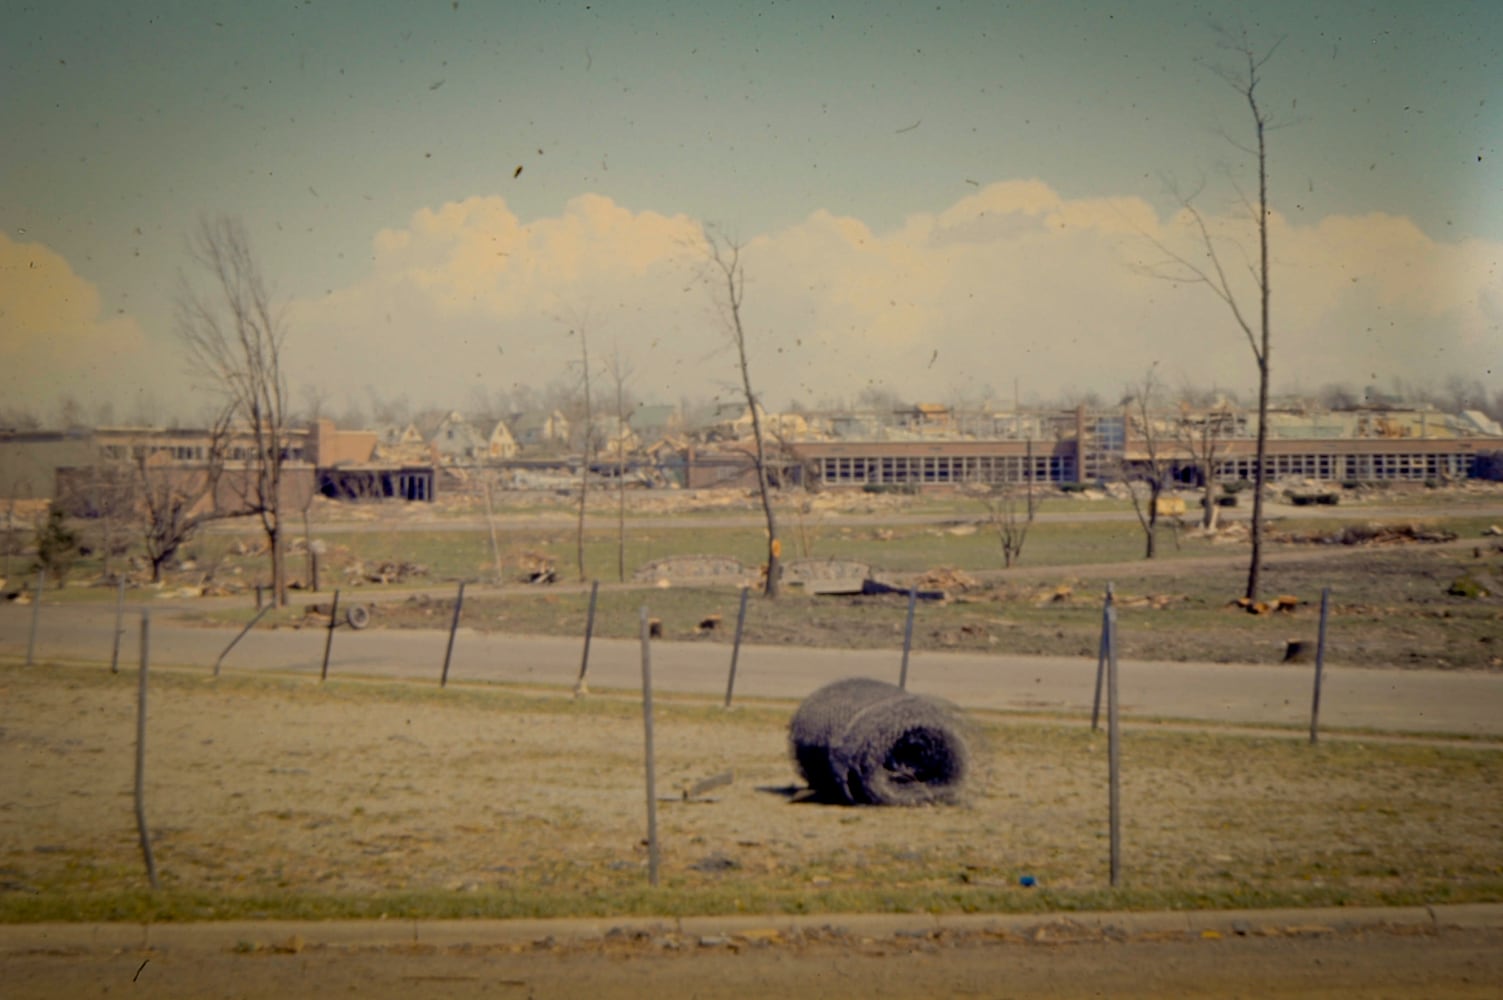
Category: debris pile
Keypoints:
(1156, 602)
(1283, 604)
(388, 571)
(947, 578)
(536, 569)
(1373, 533)
(1064, 593)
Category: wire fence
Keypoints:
(357, 617)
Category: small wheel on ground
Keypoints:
(359, 616)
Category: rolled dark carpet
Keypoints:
(867, 742)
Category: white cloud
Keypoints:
(55, 342)
(1011, 286)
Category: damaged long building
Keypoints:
(924, 447)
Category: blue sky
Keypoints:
(912, 153)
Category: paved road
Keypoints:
(1443, 951)
(1388, 700)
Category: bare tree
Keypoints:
(70, 412)
(1211, 272)
(488, 482)
(175, 501)
(1150, 474)
(388, 411)
(730, 279)
(586, 447)
(56, 545)
(1203, 428)
(234, 337)
(112, 498)
(315, 402)
(19, 418)
(621, 372)
(1010, 510)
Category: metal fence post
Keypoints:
(580, 687)
(329, 637)
(1114, 745)
(248, 626)
(443, 680)
(1320, 663)
(1101, 661)
(730, 683)
(36, 614)
(142, 829)
(907, 639)
(119, 625)
(652, 799)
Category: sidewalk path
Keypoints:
(1388, 700)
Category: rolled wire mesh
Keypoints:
(866, 742)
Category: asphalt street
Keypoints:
(1391, 700)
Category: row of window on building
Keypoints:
(186, 453)
(988, 469)
(939, 469)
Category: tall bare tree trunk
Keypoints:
(727, 260)
(584, 465)
(1260, 467)
(234, 338)
(1209, 270)
(619, 374)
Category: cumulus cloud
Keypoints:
(1012, 288)
(467, 294)
(56, 343)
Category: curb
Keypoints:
(68, 939)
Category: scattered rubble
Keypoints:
(695, 568)
(1155, 602)
(387, 571)
(948, 579)
(1061, 594)
(1372, 533)
(1467, 586)
(1283, 604)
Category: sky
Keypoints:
(954, 202)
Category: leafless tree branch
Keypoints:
(724, 258)
(234, 336)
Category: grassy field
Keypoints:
(1419, 605)
(279, 798)
(1400, 605)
